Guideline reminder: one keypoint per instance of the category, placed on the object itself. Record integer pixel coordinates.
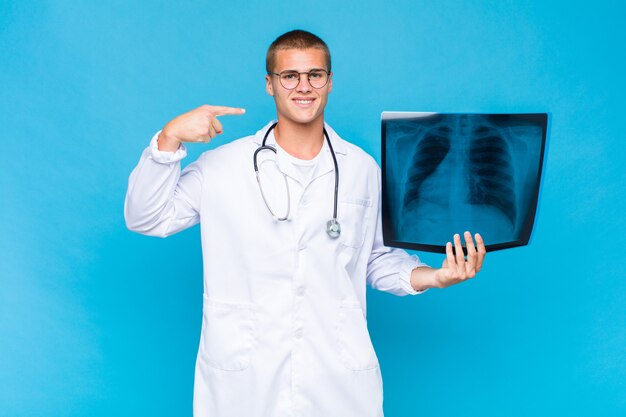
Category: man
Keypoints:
(286, 259)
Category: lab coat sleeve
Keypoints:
(389, 269)
(161, 200)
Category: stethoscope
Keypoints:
(332, 226)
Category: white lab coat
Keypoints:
(284, 330)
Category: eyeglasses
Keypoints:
(290, 79)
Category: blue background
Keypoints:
(98, 321)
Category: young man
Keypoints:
(286, 254)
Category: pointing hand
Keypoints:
(198, 125)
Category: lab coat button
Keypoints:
(300, 291)
(298, 334)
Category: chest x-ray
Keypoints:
(447, 173)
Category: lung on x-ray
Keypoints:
(445, 173)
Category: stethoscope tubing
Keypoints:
(332, 224)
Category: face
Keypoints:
(304, 104)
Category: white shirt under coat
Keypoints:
(283, 330)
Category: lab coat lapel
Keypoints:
(287, 167)
(284, 164)
(325, 164)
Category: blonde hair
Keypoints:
(295, 39)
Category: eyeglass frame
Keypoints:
(308, 77)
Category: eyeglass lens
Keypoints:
(291, 79)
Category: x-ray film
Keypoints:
(445, 173)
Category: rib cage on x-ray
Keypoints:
(492, 179)
(445, 173)
(491, 173)
(430, 151)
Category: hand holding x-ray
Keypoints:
(456, 267)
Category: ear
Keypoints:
(268, 85)
(330, 82)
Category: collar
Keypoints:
(339, 145)
(324, 165)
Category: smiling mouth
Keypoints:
(303, 101)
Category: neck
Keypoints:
(304, 141)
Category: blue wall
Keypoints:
(98, 321)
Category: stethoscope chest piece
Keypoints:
(333, 228)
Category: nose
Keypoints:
(303, 84)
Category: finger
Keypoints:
(450, 256)
(217, 126)
(223, 110)
(460, 258)
(206, 138)
(212, 132)
(471, 253)
(480, 244)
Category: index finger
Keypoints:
(449, 255)
(223, 110)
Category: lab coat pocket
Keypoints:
(355, 346)
(352, 216)
(228, 334)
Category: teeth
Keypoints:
(303, 101)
